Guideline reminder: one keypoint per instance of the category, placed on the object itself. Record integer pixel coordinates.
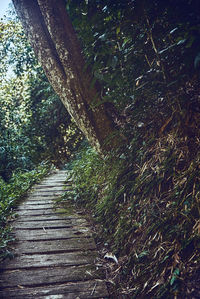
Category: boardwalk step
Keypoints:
(50, 275)
(52, 234)
(50, 260)
(40, 212)
(35, 206)
(49, 224)
(86, 289)
(47, 217)
(48, 246)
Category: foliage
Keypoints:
(16, 55)
(149, 213)
(53, 130)
(34, 125)
(10, 194)
(145, 54)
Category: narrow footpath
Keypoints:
(55, 254)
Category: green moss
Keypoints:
(65, 208)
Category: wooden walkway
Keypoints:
(55, 254)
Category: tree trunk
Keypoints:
(56, 45)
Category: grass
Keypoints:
(10, 195)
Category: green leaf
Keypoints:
(197, 61)
(118, 30)
(114, 62)
(174, 276)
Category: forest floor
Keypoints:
(55, 255)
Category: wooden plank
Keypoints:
(67, 172)
(48, 223)
(38, 212)
(59, 179)
(50, 183)
(86, 289)
(55, 189)
(56, 177)
(59, 175)
(54, 181)
(49, 190)
(38, 202)
(51, 234)
(52, 188)
(42, 212)
(47, 193)
(43, 225)
(50, 275)
(50, 260)
(32, 247)
(47, 217)
(58, 183)
(42, 197)
(35, 206)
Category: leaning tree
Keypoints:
(56, 45)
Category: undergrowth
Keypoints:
(10, 194)
(147, 201)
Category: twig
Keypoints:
(93, 290)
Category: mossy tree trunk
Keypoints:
(56, 45)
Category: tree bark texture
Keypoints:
(55, 43)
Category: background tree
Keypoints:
(34, 125)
